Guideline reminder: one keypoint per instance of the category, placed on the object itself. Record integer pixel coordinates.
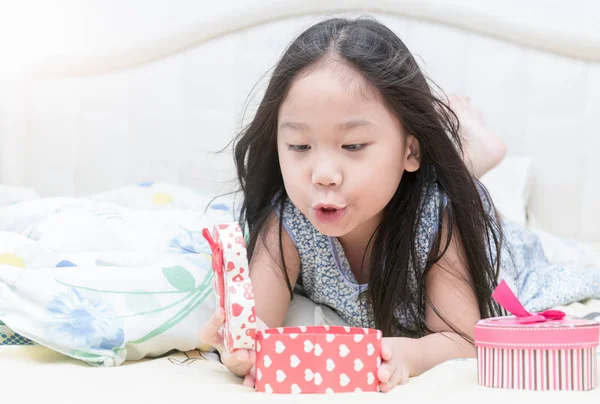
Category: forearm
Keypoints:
(424, 353)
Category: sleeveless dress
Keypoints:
(326, 276)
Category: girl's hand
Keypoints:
(240, 362)
(394, 368)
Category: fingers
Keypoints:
(217, 319)
(250, 379)
(209, 333)
(392, 372)
(385, 370)
(391, 376)
(384, 374)
(239, 362)
(400, 376)
(386, 353)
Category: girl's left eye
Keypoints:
(353, 147)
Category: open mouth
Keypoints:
(329, 214)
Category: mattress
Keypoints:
(38, 374)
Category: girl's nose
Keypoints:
(326, 175)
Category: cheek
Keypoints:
(291, 171)
(380, 177)
(289, 167)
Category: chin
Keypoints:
(330, 230)
(332, 233)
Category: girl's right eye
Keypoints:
(299, 147)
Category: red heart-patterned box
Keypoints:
(317, 359)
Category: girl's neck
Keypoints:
(355, 248)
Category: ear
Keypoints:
(412, 154)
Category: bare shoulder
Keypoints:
(269, 275)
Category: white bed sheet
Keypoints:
(36, 374)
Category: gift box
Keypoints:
(317, 359)
(536, 351)
(232, 285)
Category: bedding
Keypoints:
(118, 276)
(192, 375)
(125, 274)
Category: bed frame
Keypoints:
(158, 87)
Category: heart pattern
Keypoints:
(236, 310)
(233, 290)
(370, 378)
(267, 361)
(318, 379)
(370, 349)
(280, 376)
(341, 359)
(317, 361)
(318, 350)
(279, 347)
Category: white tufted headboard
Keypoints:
(155, 86)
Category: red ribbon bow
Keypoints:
(507, 299)
(217, 265)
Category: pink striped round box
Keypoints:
(549, 355)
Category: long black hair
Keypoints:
(388, 65)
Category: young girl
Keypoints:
(357, 195)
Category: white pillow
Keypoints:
(509, 184)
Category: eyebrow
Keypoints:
(299, 126)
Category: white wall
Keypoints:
(102, 126)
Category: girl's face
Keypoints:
(342, 153)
